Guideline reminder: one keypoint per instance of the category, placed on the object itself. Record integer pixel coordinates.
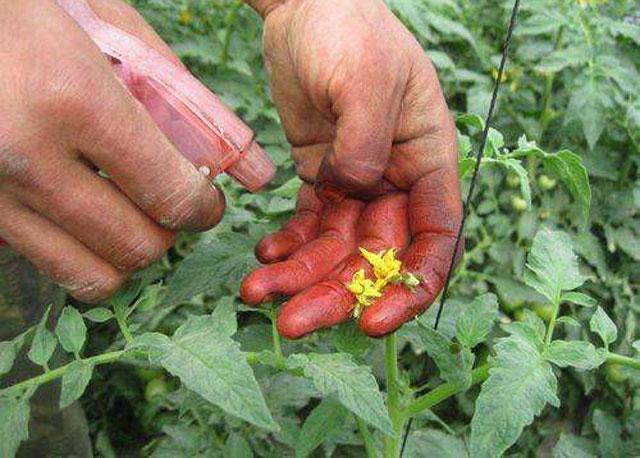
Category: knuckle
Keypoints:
(137, 253)
(13, 165)
(70, 94)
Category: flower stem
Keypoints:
(392, 444)
(442, 393)
(367, 439)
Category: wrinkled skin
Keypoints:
(363, 110)
(64, 115)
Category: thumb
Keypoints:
(367, 110)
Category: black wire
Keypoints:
(474, 179)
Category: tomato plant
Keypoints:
(536, 351)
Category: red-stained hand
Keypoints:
(363, 110)
(64, 116)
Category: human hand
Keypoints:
(65, 116)
(363, 110)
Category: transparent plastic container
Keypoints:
(201, 127)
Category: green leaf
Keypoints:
(7, 356)
(44, 342)
(627, 241)
(14, 424)
(576, 353)
(218, 264)
(579, 299)
(224, 315)
(98, 314)
(568, 167)
(566, 319)
(71, 330)
(602, 325)
(289, 189)
(570, 446)
(322, 423)
(552, 265)
(453, 361)
(355, 387)
(473, 326)
(237, 446)
(208, 362)
(559, 60)
(531, 328)
(626, 29)
(636, 345)
(515, 166)
(436, 444)
(609, 431)
(495, 142)
(75, 381)
(350, 339)
(471, 120)
(520, 384)
(589, 105)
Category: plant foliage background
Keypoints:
(544, 303)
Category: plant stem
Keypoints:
(614, 358)
(546, 115)
(53, 374)
(367, 440)
(124, 328)
(275, 337)
(392, 444)
(552, 323)
(442, 392)
(228, 31)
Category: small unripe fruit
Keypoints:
(518, 204)
(513, 181)
(546, 183)
(156, 387)
(543, 311)
(616, 374)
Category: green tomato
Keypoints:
(546, 183)
(615, 373)
(156, 387)
(147, 374)
(518, 204)
(513, 181)
(543, 311)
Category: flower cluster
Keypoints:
(386, 269)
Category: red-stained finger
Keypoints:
(383, 225)
(311, 262)
(59, 255)
(303, 227)
(435, 213)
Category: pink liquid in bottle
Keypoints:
(201, 127)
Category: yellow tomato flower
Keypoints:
(386, 269)
(364, 289)
(385, 265)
